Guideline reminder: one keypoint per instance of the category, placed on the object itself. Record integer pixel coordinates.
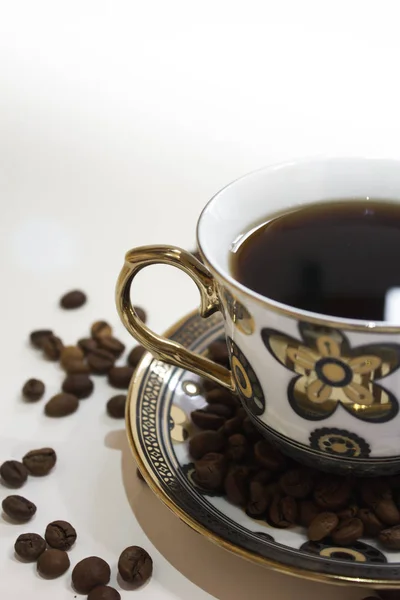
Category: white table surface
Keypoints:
(118, 121)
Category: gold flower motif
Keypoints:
(330, 372)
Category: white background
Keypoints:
(118, 121)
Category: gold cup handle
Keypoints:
(161, 347)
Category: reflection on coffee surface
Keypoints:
(333, 258)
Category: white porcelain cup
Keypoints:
(326, 390)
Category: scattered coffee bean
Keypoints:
(236, 485)
(282, 511)
(332, 493)
(100, 329)
(322, 526)
(52, 346)
(38, 337)
(71, 354)
(33, 390)
(89, 573)
(297, 483)
(80, 386)
(222, 410)
(390, 538)
(268, 457)
(222, 396)
(120, 377)
(61, 405)
(29, 546)
(60, 535)
(88, 345)
(141, 313)
(372, 525)
(210, 471)
(135, 355)
(53, 563)
(116, 406)
(100, 361)
(205, 420)
(237, 447)
(348, 532)
(135, 566)
(18, 508)
(40, 462)
(308, 511)
(13, 473)
(112, 345)
(104, 592)
(204, 442)
(258, 501)
(219, 353)
(73, 299)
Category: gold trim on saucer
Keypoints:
(155, 486)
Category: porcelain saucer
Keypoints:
(160, 400)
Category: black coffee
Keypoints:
(337, 258)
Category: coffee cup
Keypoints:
(325, 389)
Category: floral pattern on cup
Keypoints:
(339, 442)
(247, 383)
(331, 373)
(238, 313)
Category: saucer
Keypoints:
(160, 400)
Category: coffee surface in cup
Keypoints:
(333, 258)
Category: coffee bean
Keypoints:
(209, 385)
(71, 354)
(141, 313)
(116, 406)
(219, 353)
(13, 473)
(387, 511)
(38, 337)
(135, 356)
(220, 409)
(210, 471)
(308, 510)
(282, 511)
(332, 493)
(205, 442)
(222, 396)
(237, 447)
(60, 535)
(390, 538)
(348, 512)
(252, 433)
(372, 525)
(80, 386)
(268, 456)
(18, 508)
(40, 462)
(112, 345)
(104, 592)
(232, 426)
(33, 390)
(297, 483)
(348, 532)
(100, 361)
(29, 546)
(258, 500)
(120, 377)
(236, 485)
(263, 476)
(375, 490)
(61, 405)
(205, 420)
(87, 345)
(322, 525)
(53, 563)
(135, 566)
(73, 299)
(52, 346)
(77, 367)
(100, 329)
(89, 573)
